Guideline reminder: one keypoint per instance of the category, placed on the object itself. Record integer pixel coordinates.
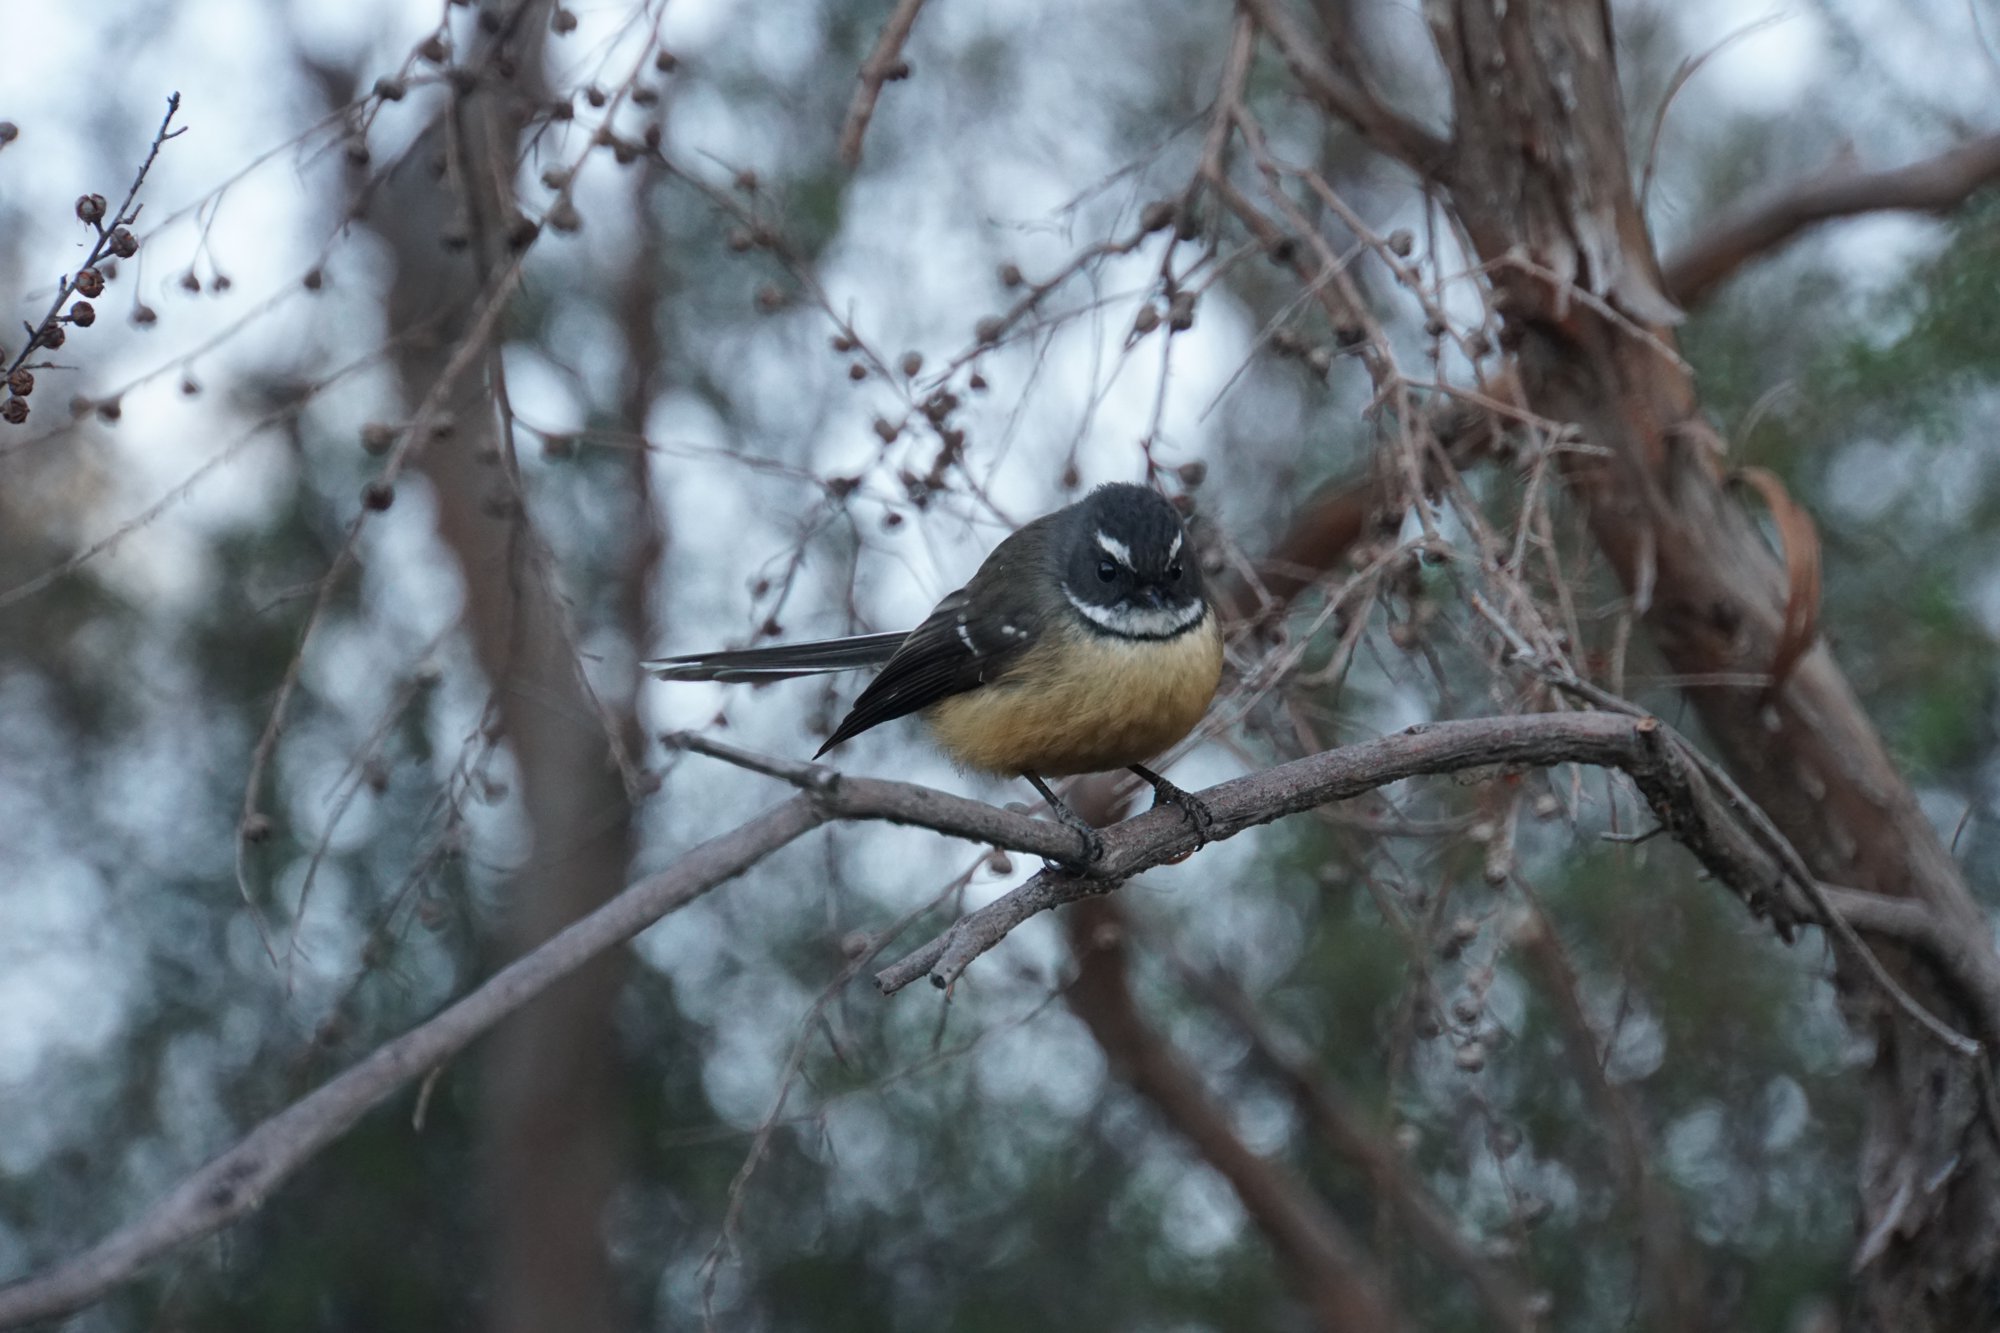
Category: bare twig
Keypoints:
(1667, 1274)
(1228, 101)
(1341, 1127)
(884, 65)
(1689, 67)
(109, 226)
(808, 1026)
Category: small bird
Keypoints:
(1083, 644)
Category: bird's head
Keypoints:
(1127, 566)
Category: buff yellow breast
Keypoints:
(1084, 703)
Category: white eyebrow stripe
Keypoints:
(1175, 549)
(1117, 550)
(1137, 624)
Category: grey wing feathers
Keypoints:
(971, 639)
(782, 661)
(937, 659)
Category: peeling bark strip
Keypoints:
(1798, 541)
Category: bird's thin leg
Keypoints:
(1093, 845)
(1166, 793)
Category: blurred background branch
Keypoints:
(465, 353)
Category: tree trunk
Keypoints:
(550, 1126)
(1539, 173)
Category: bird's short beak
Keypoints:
(1154, 596)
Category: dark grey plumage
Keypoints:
(980, 631)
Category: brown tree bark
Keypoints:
(1539, 177)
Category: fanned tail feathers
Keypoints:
(782, 661)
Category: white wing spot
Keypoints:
(965, 636)
(1117, 550)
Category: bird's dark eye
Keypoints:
(1174, 571)
(1107, 570)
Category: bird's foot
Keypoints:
(1193, 807)
(1093, 841)
(1084, 867)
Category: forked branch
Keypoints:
(1346, 95)
(1643, 748)
(1657, 761)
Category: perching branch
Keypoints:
(1645, 749)
(236, 1182)
(1931, 186)
(1658, 762)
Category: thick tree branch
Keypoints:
(1348, 96)
(1326, 1266)
(1704, 820)
(549, 1134)
(1343, 1129)
(1542, 170)
(241, 1178)
(1932, 186)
